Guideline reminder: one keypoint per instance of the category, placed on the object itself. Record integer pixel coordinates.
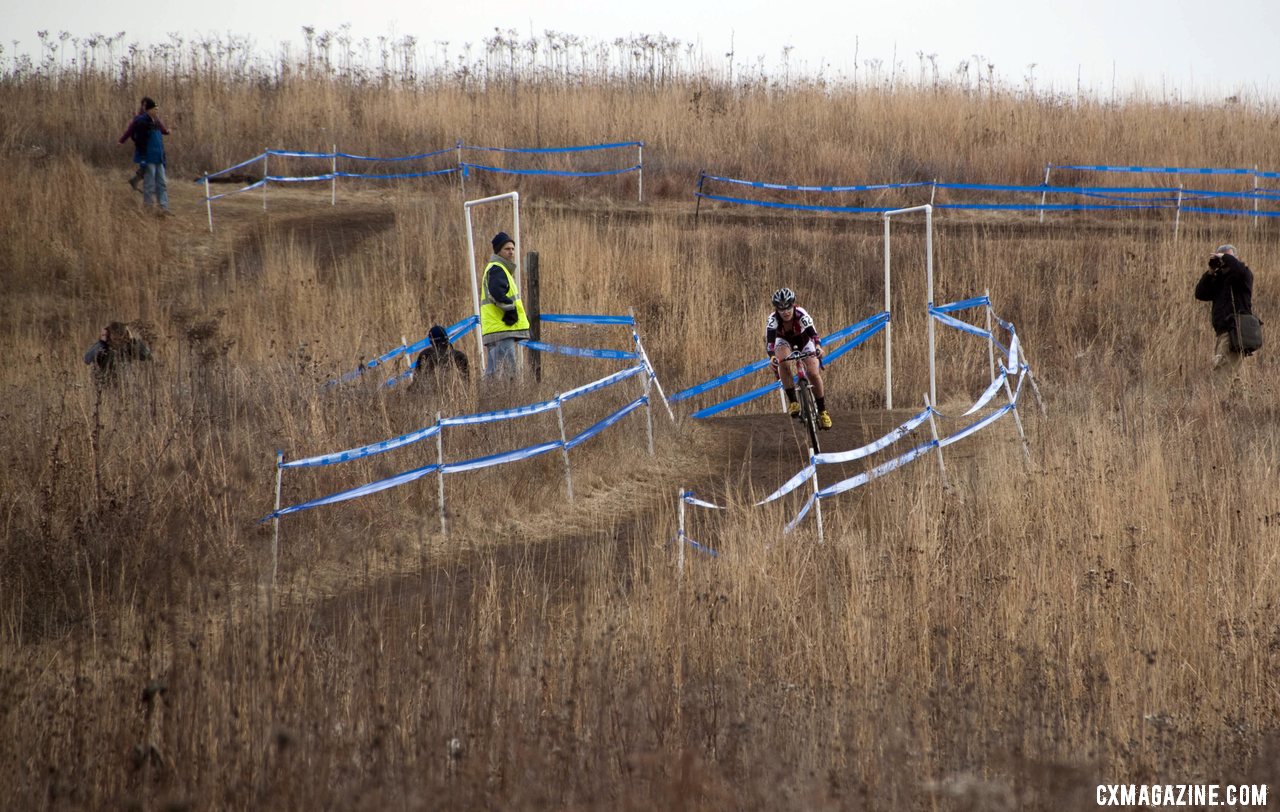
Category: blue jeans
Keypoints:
(155, 186)
(502, 360)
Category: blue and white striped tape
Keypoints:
(588, 433)
(586, 318)
(690, 499)
(695, 545)
(609, 380)
(755, 184)
(790, 485)
(500, 459)
(353, 493)
(504, 414)
(369, 450)
(554, 172)
(580, 352)
(891, 437)
(550, 150)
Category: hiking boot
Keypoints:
(824, 419)
(134, 180)
(793, 409)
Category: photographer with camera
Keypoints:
(1229, 285)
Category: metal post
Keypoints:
(1017, 420)
(888, 327)
(680, 532)
(208, 203)
(933, 426)
(1177, 217)
(266, 173)
(648, 411)
(333, 170)
(1255, 195)
(991, 337)
(644, 358)
(444, 521)
(564, 448)
(532, 308)
(697, 195)
(817, 503)
(462, 170)
(640, 174)
(275, 535)
(1045, 193)
(928, 248)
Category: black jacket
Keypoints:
(1230, 288)
(438, 358)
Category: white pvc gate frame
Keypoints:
(474, 271)
(888, 327)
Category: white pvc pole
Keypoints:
(1255, 195)
(933, 193)
(1044, 195)
(680, 533)
(333, 170)
(888, 327)
(444, 521)
(817, 503)
(275, 536)
(1177, 218)
(1017, 420)
(928, 247)
(520, 287)
(644, 356)
(208, 204)
(648, 411)
(266, 172)
(640, 175)
(475, 290)
(991, 341)
(462, 171)
(564, 448)
(933, 427)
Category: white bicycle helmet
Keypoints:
(784, 298)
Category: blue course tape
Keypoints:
(1164, 170)
(300, 178)
(504, 414)
(888, 439)
(1042, 206)
(365, 450)
(963, 304)
(754, 366)
(1239, 212)
(296, 153)
(401, 158)
(976, 426)
(587, 434)
(547, 150)
(879, 471)
(755, 184)
(252, 160)
(498, 459)
(790, 485)
(834, 355)
(236, 192)
(454, 331)
(363, 490)
(609, 380)
(738, 401)
(366, 176)
(689, 499)
(798, 207)
(581, 352)
(963, 327)
(870, 321)
(556, 173)
(695, 545)
(586, 318)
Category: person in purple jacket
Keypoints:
(147, 132)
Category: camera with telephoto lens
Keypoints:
(1215, 263)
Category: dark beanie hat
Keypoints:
(438, 335)
(500, 239)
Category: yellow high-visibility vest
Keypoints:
(491, 314)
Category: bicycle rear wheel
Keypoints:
(809, 414)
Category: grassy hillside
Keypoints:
(1104, 614)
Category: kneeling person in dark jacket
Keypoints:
(437, 360)
(115, 347)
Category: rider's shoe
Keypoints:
(793, 409)
(824, 420)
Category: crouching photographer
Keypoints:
(1228, 284)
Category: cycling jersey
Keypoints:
(798, 333)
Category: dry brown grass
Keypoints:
(1105, 614)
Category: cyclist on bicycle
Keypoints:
(790, 329)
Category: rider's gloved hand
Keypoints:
(773, 361)
(817, 351)
(510, 317)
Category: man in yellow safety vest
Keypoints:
(502, 317)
